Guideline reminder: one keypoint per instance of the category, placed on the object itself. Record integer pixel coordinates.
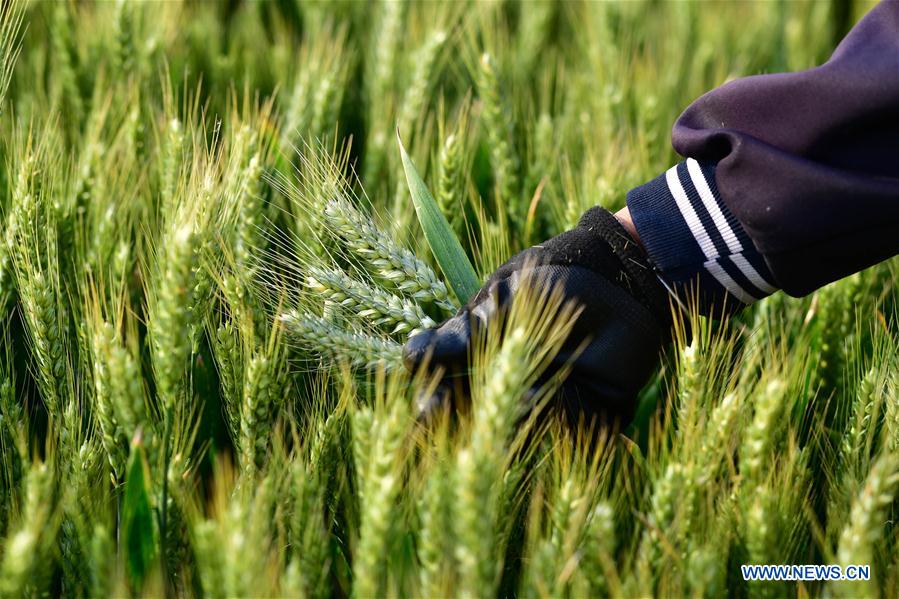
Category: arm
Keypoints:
(791, 180)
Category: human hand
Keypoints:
(615, 343)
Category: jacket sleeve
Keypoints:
(790, 181)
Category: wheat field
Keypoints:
(210, 260)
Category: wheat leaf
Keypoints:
(447, 250)
(137, 518)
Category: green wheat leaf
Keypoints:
(137, 517)
(447, 250)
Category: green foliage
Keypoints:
(138, 526)
(210, 260)
(442, 240)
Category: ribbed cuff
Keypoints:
(698, 246)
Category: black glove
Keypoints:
(626, 317)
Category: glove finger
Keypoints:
(445, 346)
(451, 395)
(595, 403)
(429, 405)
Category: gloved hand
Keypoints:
(625, 317)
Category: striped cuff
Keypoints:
(699, 247)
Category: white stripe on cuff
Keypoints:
(727, 232)
(708, 200)
(702, 238)
(686, 209)
(728, 283)
(751, 273)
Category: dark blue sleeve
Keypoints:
(791, 180)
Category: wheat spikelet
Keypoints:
(720, 427)
(210, 561)
(262, 396)
(543, 575)
(381, 85)
(32, 245)
(328, 100)
(835, 306)
(125, 382)
(664, 502)
(48, 337)
(436, 540)
(66, 77)
(855, 441)
(505, 374)
(495, 118)
(449, 175)
(228, 358)
(250, 218)
(118, 391)
(296, 116)
(101, 547)
(125, 43)
(368, 302)
(113, 437)
(362, 425)
(759, 437)
(564, 506)
(704, 466)
(536, 26)
(311, 538)
(13, 439)
(890, 440)
(867, 519)
(656, 539)
(425, 71)
(172, 158)
(235, 545)
(392, 16)
(759, 532)
(170, 322)
(689, 387)
(554, 552)
(355, 347)
(599, 547)
(11, 15)
(705, 576)
(21, 213)
(205, 253)
(474, 525)
(494, 415)
(29, 545)
(395, 265)
(45, 314)
(856, 445)
(137, 133)
(541, 178)
(543, 152)
(381, 485)
(477, 468)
